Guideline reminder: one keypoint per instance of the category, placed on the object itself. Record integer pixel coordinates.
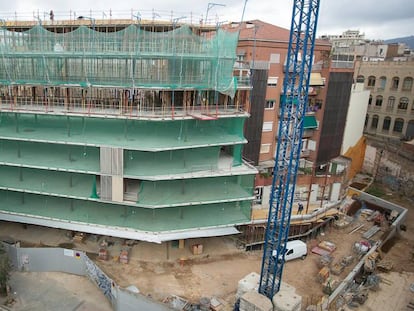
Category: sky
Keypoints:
(378, 20)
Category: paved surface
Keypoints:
(55, 291)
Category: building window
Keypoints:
(391, 102)
(264, 148)
(382, 82)
(387, 123)
(270, 104)
(378, 101)
(360, 79)
(267, 126)
(374, 123)
(258, 195)
(274, 58)
(398, 125)
(370, 100)
(395, 83)
(311, 145)
(272, 81)
(407, 84)
(366, 120)
(371, 81)
(403, 104)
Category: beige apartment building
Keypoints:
(391, 103)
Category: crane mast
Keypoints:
(289, 145)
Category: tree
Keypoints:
(4, 270)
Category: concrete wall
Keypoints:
(394, 171)
(50, 259)
(369, 159)
(77, 262)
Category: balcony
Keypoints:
(305, 153)
(307, 133)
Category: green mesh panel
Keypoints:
(50, 156)
(127, 134)
(131, 57)
(142, 164)
(195, 191)
(49, 182)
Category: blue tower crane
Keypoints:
(292, 112)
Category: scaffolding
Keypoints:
(129, 58)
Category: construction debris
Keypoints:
(177, 303)
(325, 261)
(323, 275)
(355, 229)
(337, 268)
(372, 282)
(347, 260)
(343, 221)
(370, 262)
(124, 255)
(330, 285)
(361, 248)
(371, 232)
(79, 237)
(385, 265)
(103, 254)
(328, 246)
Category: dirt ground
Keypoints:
(162, 270)
(217, 275)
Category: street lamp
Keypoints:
(211, 5)
(90, 18)
(175, 20)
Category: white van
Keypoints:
(296, 249)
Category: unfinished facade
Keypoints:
(129, 129)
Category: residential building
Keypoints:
(127, 128)
(263, 48)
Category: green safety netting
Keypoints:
(107, 214)
(132, 57)
(129, 134)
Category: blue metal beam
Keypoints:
(292, 112)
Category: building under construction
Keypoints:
(128, 129)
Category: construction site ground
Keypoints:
(161, 270)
